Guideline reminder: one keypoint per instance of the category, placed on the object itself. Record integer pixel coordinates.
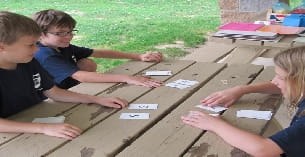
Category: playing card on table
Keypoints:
(186, 82)
(266, 115)
(214, 109)
(134, 116)
(51, 120)
(143, 106)
(175, 85)
(158, 73)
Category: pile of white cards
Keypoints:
(266, 115)
(138, 115)
(181, 84)
(214, 108)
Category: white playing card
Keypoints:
(186, 82)
(266, 115)
(176, 85)
(158, 73)
(143, 106)
(214, 109)
(51, 120)
(134, 116)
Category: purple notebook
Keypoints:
(241, 26)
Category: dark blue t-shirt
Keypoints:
(292, 139)
(23, 87)
(61, 65)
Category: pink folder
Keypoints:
(241, 26)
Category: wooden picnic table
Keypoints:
(163, 134)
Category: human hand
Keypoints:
(66, 131)
(225, 97)
(112, 102)
(143, 81)
(200, 120)
(151, 57)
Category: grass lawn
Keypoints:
(131, 25)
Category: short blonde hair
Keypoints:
(14, 26)
(292, 61)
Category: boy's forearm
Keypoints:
(63, 95)
(84, 76)
(115, 54)
(10, 126)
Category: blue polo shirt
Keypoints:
(61, 65)
(22, 87)
(292, 139)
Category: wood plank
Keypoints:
(85, 116)
(221, 40)
(162, 139)
(114, 134)
(285, 42)
(210, 143)
(270, 53)
(127, 68)
(50, 108)
(243, 55)
(211, 52)
(248, 42)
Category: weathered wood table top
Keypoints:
(163, 134)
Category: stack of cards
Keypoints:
(181, 84)
(214, 109)
(158, 73)
(138, 115)
(266, 115)
(194, 114)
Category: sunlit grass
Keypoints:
(131, 25)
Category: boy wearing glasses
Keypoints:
(68, 64)
(24, 83)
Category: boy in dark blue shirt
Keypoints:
(68, 64)
(24, 83)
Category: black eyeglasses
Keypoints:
(63, 34)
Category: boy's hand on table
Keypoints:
(151, 57)
(143, 81)
(66, 131)
(112, 102)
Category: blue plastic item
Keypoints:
(295, 20)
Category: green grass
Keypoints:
(131, 25)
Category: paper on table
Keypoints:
(143, 106)
(134, 116)
(266, 115)
(194, 114)
(281, 29)
(51, 120)
(214, 109)
(176, 85)
(158, 73)
(263, 61)
(181, 84)
(186, 82)
(241, 26)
